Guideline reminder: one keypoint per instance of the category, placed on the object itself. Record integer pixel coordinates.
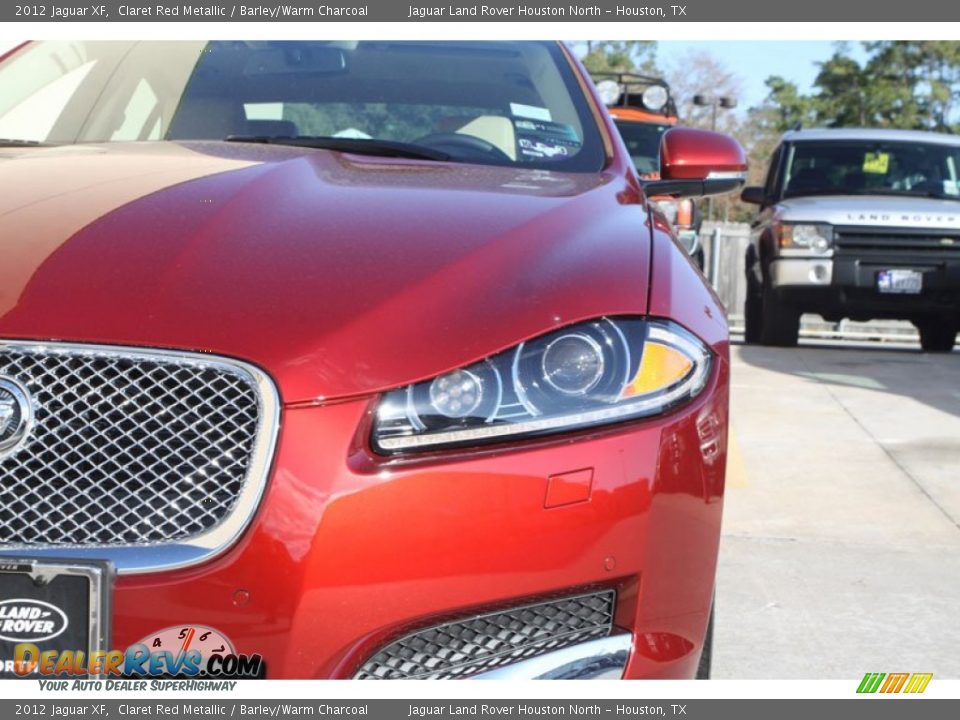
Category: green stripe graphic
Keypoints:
(871, 682)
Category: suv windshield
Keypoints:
(504, 103)
(643, 144)
(873, 168)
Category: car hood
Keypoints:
(338, 274)
(873, 210)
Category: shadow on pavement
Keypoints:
(929, 378)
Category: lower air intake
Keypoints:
(477, 644)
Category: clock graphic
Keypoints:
(183, 638)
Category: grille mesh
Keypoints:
(899, 241)
(126, 449)
(477, 644)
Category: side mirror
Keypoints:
(698, 162)
(753, 195)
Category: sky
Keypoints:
(755, 61)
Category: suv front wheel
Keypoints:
(937, 335)
(752, 311)
(779, 322)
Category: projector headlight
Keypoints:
(595, 373)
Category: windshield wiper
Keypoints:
(7, 142)
(360, 146)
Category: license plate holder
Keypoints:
(900, 282)
(53, 604)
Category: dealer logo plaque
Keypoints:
(27, 620)
(16, 415)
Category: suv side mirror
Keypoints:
(753, 195)
(698, 162)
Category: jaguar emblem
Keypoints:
(7, 408)
(16, 415)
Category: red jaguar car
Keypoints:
(368, 358)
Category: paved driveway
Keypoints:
(841, 547)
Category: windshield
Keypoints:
(643, 144)
(873, 168)
(505, 103)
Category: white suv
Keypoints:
(857, 224)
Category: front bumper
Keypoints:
(845, 284)
(801, 272)
(349, 551)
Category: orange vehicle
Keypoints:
(643, 110)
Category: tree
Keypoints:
(699, 72)
(918, 83)
(788, 108)
(847, 95)
(620, 56)
(901, 84)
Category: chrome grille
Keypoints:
(473, 645)
(888, 241)
(130, 447)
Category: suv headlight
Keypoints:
(593, 373)
(805, 237)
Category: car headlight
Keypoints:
(594, 373)
(806, 237)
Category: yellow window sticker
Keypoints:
(878, 163)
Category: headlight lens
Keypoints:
(609, 91)
(806, 237)
(594, 373)
(655, 97)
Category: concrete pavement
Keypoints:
(841, 543)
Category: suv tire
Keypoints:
(752, 312)
(780, 323)
(937, 336)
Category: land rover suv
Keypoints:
(858, 224)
